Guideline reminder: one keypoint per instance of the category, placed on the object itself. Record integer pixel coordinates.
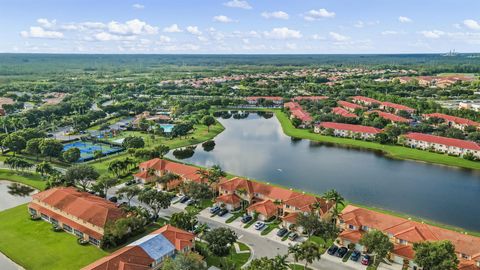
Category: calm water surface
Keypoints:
(257, 148)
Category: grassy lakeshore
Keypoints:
(30, 179)
(392, 151)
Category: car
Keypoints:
(184, 199)
(259, 225)
(246, 218)
(365, 260)
(214, 209)
(355, 255)
(282, 232)
(292, 236)
(341, 252)
(222, 212)
(130, 182)
(332, 250)
(113, 199)
(190, 202)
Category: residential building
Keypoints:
(441, 144)
(393, 107)
(354, 222)
(296, 111)
(344, 113)
(152, 169)
(349, 106)
(79, 213)
(348, 130)
(268, 200)
(391, 117)
(254, 100)
(149, 117)
(365, 100)
(453, 121)
(147, 252)
(474, 106)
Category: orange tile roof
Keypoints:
(350, 127)
(453, 119)
(83, 205)
(391, 117)
(232, 199)
(134, 257)
(353, 236)
(365, 99)
(404, 251)
(444, 141)
(342, 112)
(397, 106)
(185, 171)
(409, 230)
(266, 208)
(350, 105)
(291, 217)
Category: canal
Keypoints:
(256, 147)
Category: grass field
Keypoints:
(392, 151)
(34, 246)
(238, 259)
(29, 179)
(200, 134)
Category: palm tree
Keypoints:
(4, 122)
(280, 262)
(295, 251)
(333, 195)
(167, 178)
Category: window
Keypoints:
(54, 221)
(67, 228)
(351, 227)
(403, 242)
(78, 233)
(45, 217)
(365, 228)
(93, 241)
(32, 211)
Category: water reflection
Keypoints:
(16, 189)
(256, 147)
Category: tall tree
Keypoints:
(156, 200)
(377, 243)
(208, 120)
(82, 175)
(14, 142)
(189, 260)
(128, 192)
(184, 220)
(435, 255)
(51, 148)
(219, 240)
(71, 155)
(104, 183)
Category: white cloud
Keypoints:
(222, 19)
(404, 19)
(164, 39)
(132, 27)
(275, 15)
(105, 36)
(194, 30)
(283, 33)
(39, 32)
(318, 37)
(182, 47)
(434, 34)
(93, 25)
(318, 14)
(172, 29)
(472, 24)
(338, 37)
(138, 6)
(389, 32)
(238, 4)
(46, 24)
(291, 46)
(361, 24)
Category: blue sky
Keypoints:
(238, 26)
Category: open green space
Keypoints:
(34, 246)
(392, 151)
(30, 179)
(234, 258)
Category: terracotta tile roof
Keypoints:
(453, 119)
(411, 231)
(231, 199)
(67, 221)
(391, 117)
(467, 265)
(178, 237)
(397, 106)
(444, 141)
(353, 236)
(83, 205)
(365, 99)
(344, 113)
(291, 217)
(266, 98)
(185, 171)
(404, 251)
(135, 257)
(266, 208)
(349, 105)
(143, 175)
(297, 111)
(349, 127)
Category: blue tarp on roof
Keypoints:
(156, 246)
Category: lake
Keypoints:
(257, 148)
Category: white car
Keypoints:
(259, 225)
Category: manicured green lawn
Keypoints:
(238, 259)
(270, 227)
(392, 151)
(199, 135)
(30, 179)
(200, 206)
(324, 244)
(34, 246)
(298, 267)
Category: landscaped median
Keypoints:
(393, 151)
(30, 179)
(235, 259)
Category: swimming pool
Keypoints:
(167, 128)
(87, 149)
